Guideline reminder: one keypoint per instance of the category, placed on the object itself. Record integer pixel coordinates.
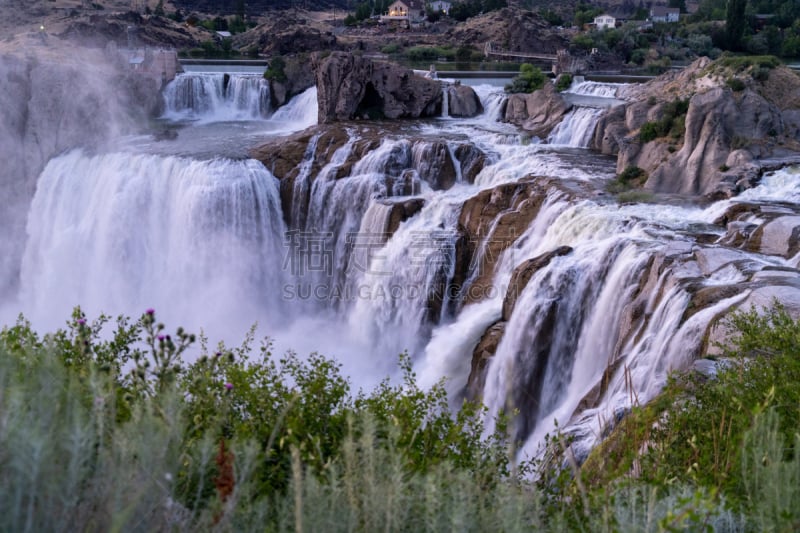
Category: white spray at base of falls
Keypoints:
(215, 97)
(119, 233)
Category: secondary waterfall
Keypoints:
(300, 112)
(217, 97)
(577, 128)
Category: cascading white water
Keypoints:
(594, 88)
(215, 97)
(445, 101)
(405, 290)
(118, 233)
(577, 128)
(300, 112)
(203, 241)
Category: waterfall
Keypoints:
(445, 101)
(118, 233)
(406, 289)
(577, 128)
(300, 112)
(215, 97)
(594, 88)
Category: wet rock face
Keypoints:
(489, 223)
(439, 164)
(351, 87)
(481, 356)
(522, 275)
(538, 112)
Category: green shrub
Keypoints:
(735, 84)
(672, 122)
(529, 79)
(563, 82)
(391, 48)
(276, 71)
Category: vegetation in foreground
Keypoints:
(116, 431)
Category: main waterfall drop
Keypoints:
(121, 232)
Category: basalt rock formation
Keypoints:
(538, 112)
(353, 87)
(723, 141)
(440, 164)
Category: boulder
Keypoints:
(350, 86)
(717, 121)
(538, 112)
(299, 77)
(463, 101)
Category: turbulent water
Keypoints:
(206, 242)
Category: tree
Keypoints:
(680, 4)
(735, 23)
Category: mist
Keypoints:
(54, 96)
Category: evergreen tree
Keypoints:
(735, 23)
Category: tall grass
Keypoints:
(84, 446)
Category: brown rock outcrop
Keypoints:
(463, 101)
(538, 112)
(481, 356)
(350, 86)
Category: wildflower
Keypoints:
(150, 312)
(81, 321)
(229, 385)
(161, 338)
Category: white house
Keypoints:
(664, 14)
(440, 5)
(604, 21)
(410, 11)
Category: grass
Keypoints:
(114, 431)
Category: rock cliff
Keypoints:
(350, 86)
(707, 129)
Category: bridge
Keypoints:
(489, 50)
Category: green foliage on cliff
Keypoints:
(529, 79)
(672, 122)
(276, 70)
(734, 433)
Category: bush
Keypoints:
(735, 84)
(672, 122)
(563, 82)
(114, 430)
(529, 79)
(276, 71)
